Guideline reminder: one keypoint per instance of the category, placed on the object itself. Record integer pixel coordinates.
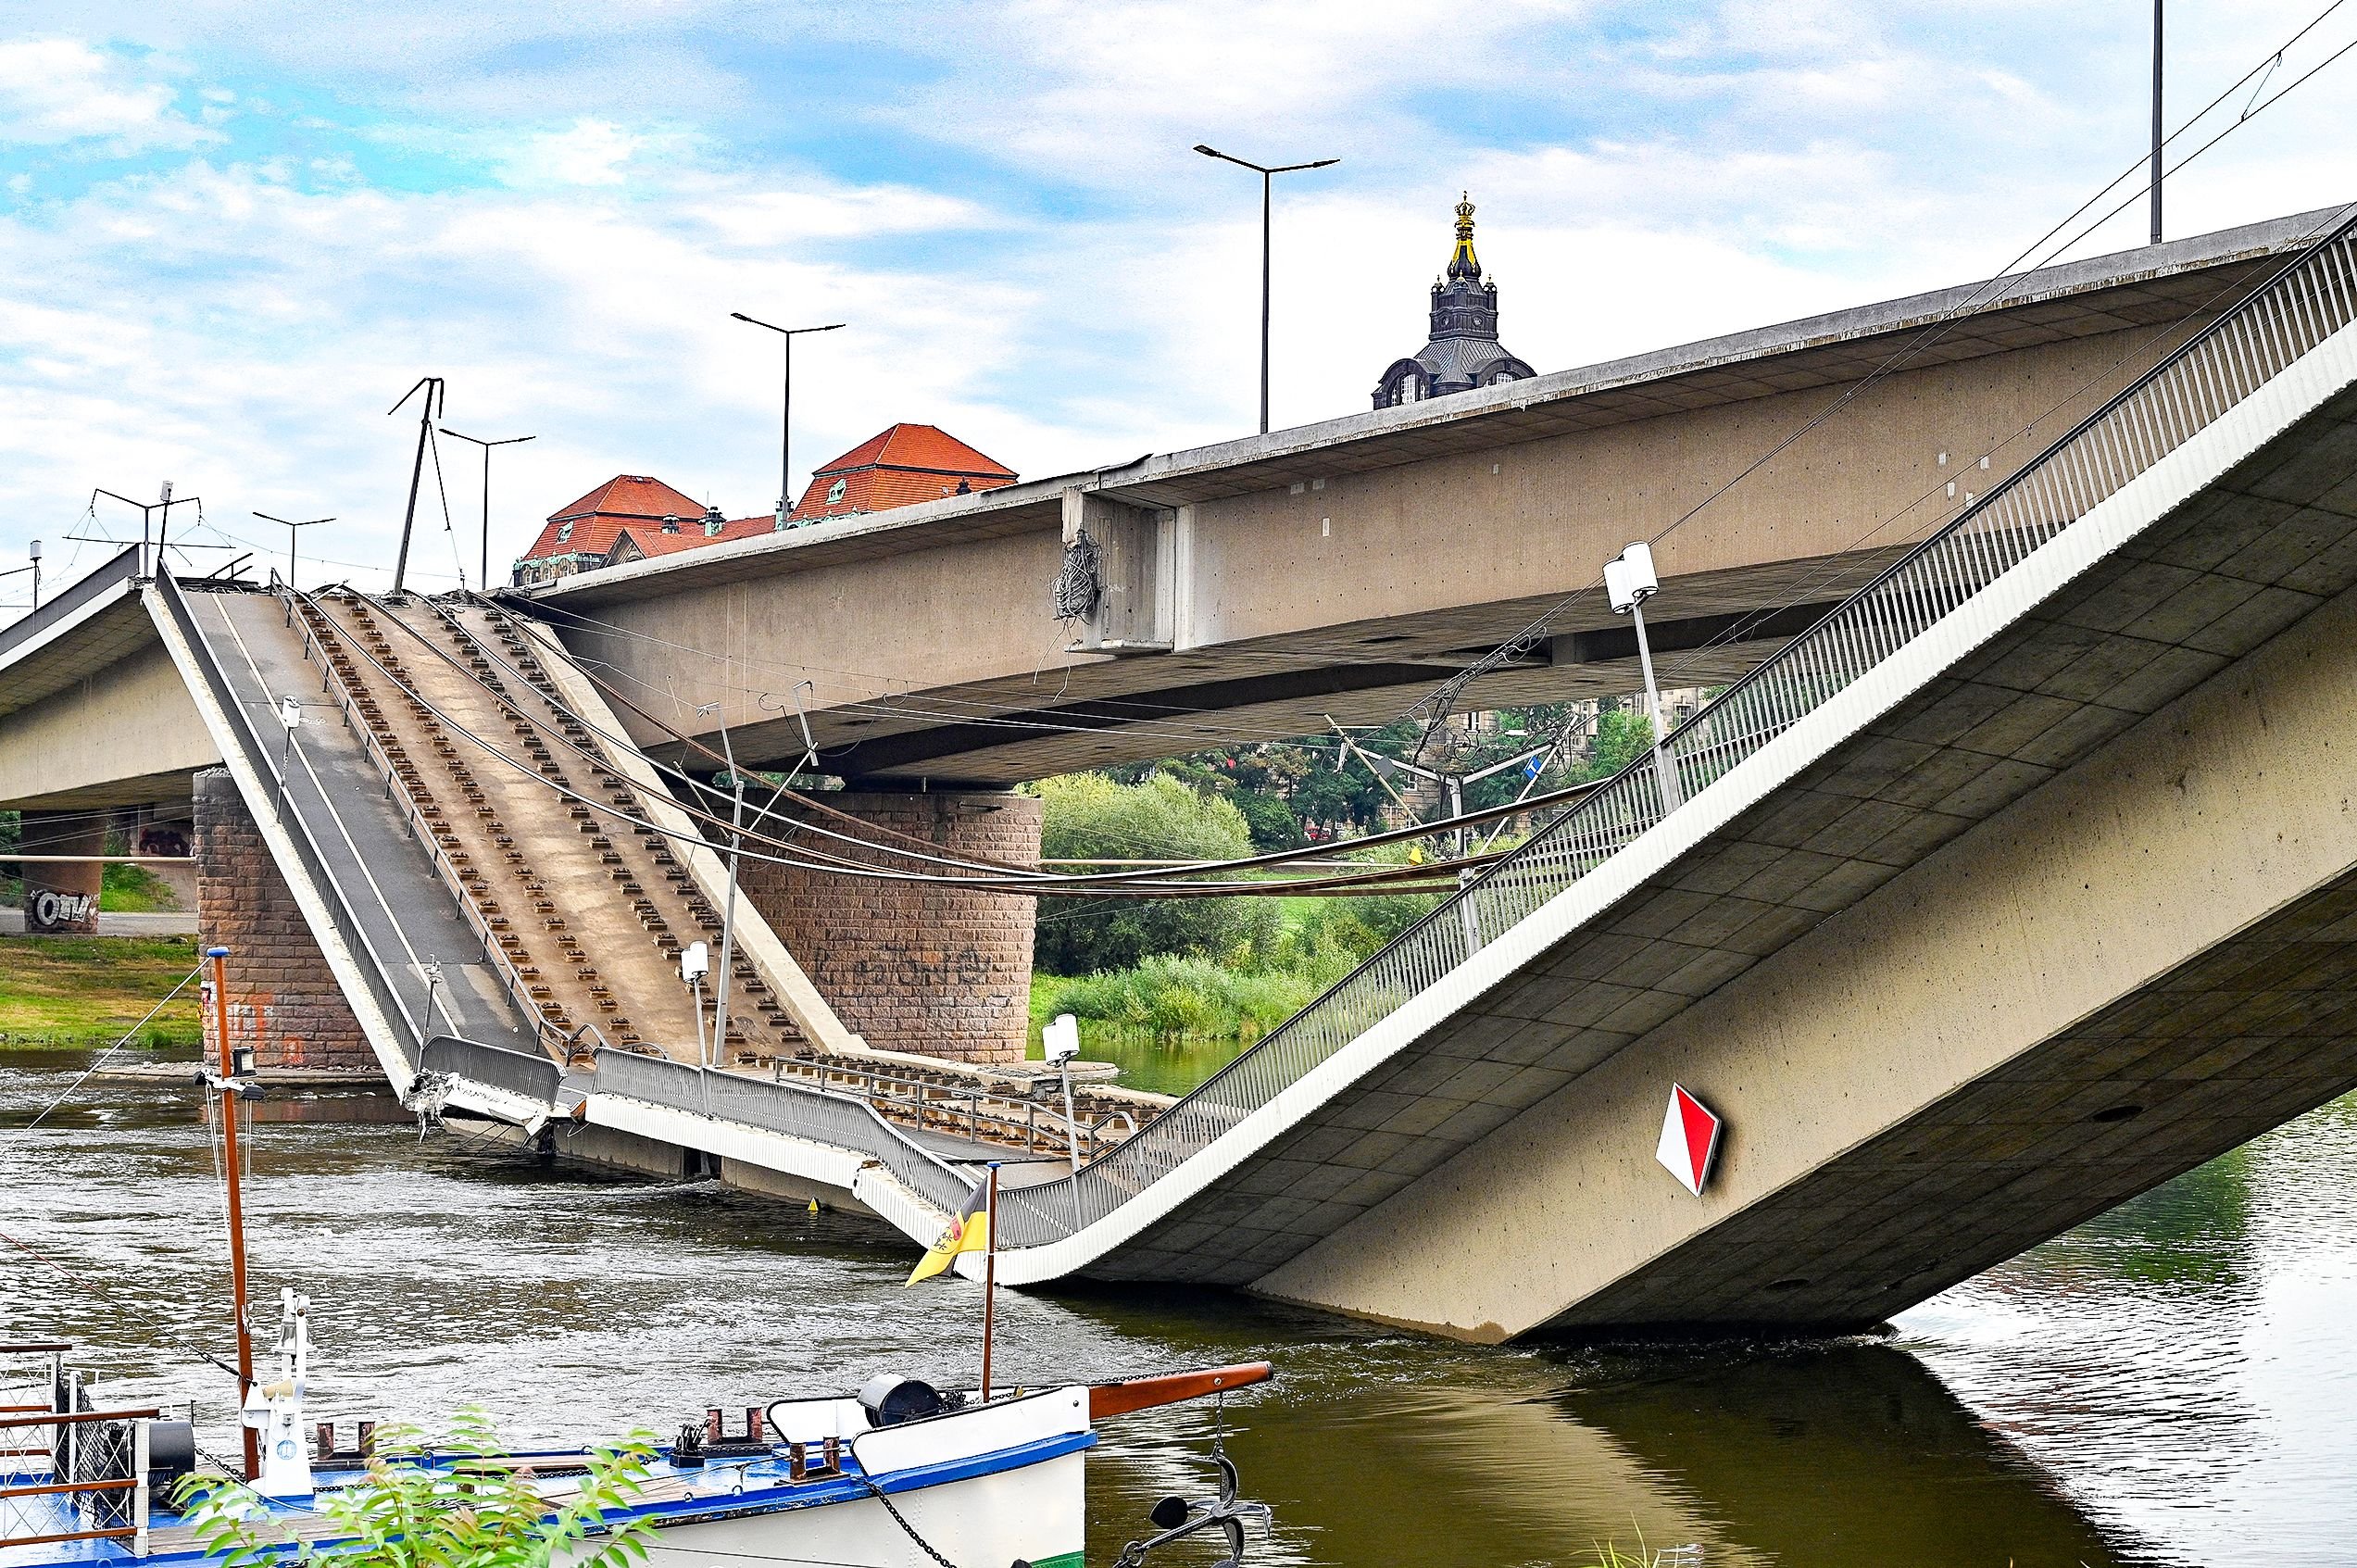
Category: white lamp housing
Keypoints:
(694, 962)
(1630, 580)
(1061, 1040)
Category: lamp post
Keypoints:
(728, 910)
(1629, 581)
(291, 526)
(33, 566)
(484, 583)
(785, 415)
(1268, 177)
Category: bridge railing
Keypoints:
(798, 1111)
(263, 760)
(2312, 296)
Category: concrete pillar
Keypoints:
(283, 999)
(62, 900)
(912, 967)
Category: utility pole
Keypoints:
(483, 582)
(164, 503)
(291, 526)
(2156, 121)
(1268, 176)
(428, 412)
(786, 413)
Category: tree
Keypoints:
(1091, 816)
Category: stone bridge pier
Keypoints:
(283, 999)
(909, 966)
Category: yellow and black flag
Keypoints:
(969, 1231)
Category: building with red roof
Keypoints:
(580, 536)
(898, 467)
(633, 517)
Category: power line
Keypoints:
(1442, 699)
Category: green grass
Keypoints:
(134, 890)
(88, 990)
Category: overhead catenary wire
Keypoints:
(1829, 573)
(1114, 884)
(1442, 701)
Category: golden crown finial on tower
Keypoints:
(1462, 263)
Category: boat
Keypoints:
(896, 1472)
(862, 1479)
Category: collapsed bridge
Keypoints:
(2017, 882)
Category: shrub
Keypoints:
(1090, 816)
(400, 1515)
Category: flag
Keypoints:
(969, 1231)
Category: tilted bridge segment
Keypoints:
(2016, 883)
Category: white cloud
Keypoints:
(62, 91)
(588, 152)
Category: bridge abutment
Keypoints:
(919, 967)
(283, 999)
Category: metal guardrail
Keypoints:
(497, 1066)
(2308, 298)
(816, 1115)
(260, 757)
(125, 566)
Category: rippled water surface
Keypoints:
(2175, 1383)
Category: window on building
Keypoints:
(834, 491)
(564, 533)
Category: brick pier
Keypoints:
(283, 997)
(910, 966)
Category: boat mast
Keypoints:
(989, 1273)
(226, 1089)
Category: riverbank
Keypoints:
(61, 992)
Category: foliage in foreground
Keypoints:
(480, 1512)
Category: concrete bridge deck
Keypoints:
(1251, 588)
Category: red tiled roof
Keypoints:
(898, 467)
(588, 526)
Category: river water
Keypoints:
(2173, 1384)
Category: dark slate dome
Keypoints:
(1464, 352)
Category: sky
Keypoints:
(233, 232)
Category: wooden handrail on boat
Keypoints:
(1146, 1393)
(60, 1418)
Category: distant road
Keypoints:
(163, 923)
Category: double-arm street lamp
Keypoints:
(291, 526)
(1268, 177)
(484, 585)
(785, 417)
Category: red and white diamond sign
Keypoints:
(1689, 1138)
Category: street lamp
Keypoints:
(1629, 581)
(484, 582)
(1267, 177)
(33, 566)
(785, 417)
(291, 526)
